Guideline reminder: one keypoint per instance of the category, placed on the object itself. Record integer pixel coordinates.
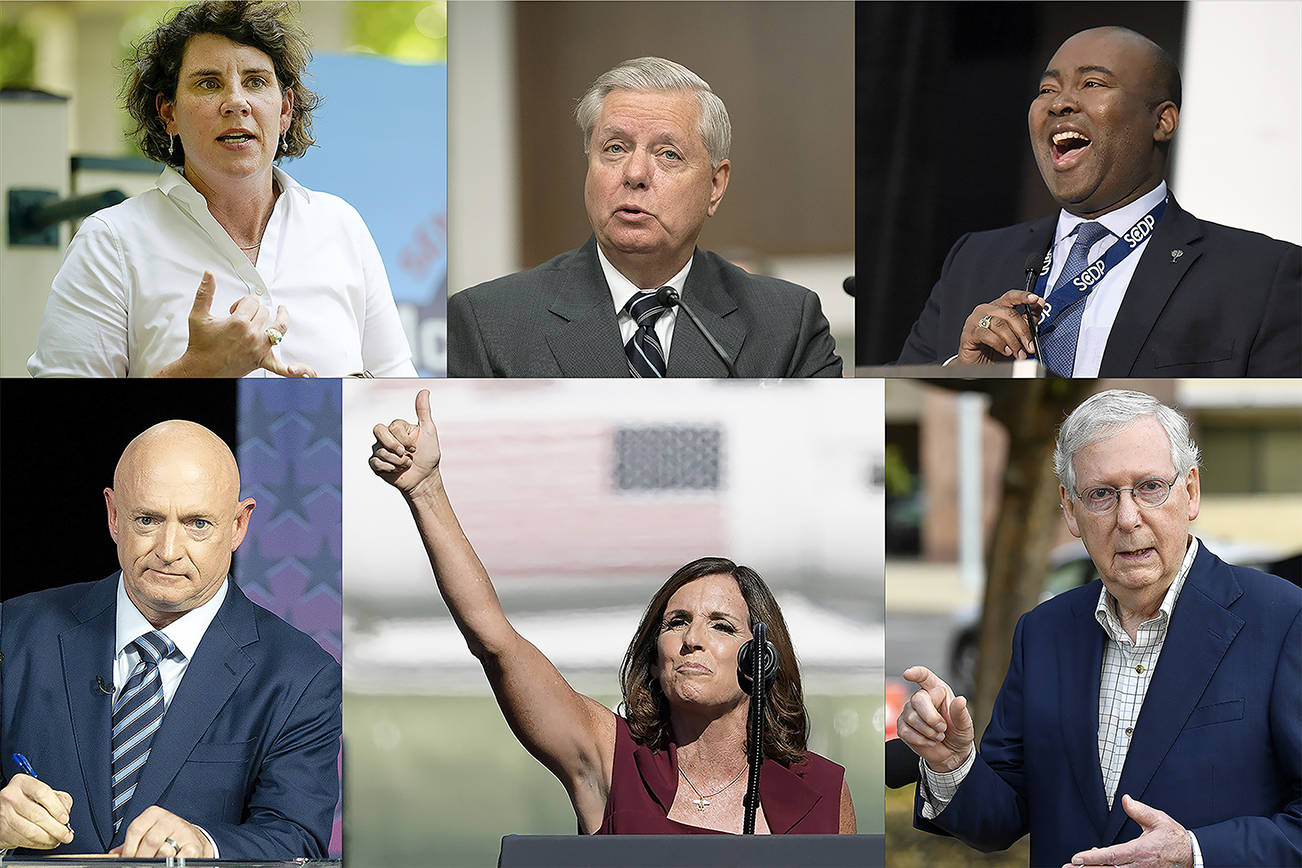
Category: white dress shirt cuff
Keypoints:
(1197, 853)
(948, 361)
(216, 854)
(938, 788)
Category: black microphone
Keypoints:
(1032, 268)
(668, 297)
(901, 764)
(848, 286)
(106, 689)
(745, 663)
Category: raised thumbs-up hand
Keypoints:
(234, 345)
(407, 455)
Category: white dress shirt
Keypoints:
(622, 289)
(1126, 673)
(185, 632)
(119, 305)
(1104, 300)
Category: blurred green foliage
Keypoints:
(410, 30)
(906, 847)
(437, 781)
(17, 56)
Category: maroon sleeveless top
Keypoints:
(803, 799)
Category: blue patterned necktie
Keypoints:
(645, 356)
(137, 714)
(1058, 347)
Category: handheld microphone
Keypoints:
(746, 663)
(1031, 268)
(669, 297)
(106, 689)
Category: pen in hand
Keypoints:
(26, 767)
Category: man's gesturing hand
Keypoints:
(996, 332)
(406, 455)
(1164, 843)
(148, 837)
(935, 724)
(32, 814)
(235, 345)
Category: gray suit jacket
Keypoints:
(557, 320)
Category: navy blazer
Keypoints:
(1218, 742)
(248, 748)
(1229, 305)
(558, 320)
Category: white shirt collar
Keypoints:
(174, 185)
(622, 289)
(1106, 608)
(185, 632)
(1118, 221)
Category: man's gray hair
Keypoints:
(656, 73)
(1108, 413)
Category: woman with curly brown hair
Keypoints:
(183, 279)
(674, 763)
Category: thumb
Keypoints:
(960, 719)
(423, 417)
(203, 298)
(1147, 817)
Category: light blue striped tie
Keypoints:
(645, 357)
(1058, 346)
(137, 714)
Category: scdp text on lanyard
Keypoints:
(1089, 276)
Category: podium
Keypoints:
(692, 851)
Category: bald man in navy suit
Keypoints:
(245, 710)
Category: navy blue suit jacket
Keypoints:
(1230, 305)
(248, 748)
(1218, 742)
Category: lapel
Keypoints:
(1080, 663)
(219, 665)
(785, 797)
(690, 355)
(87, 651)
(584, 339)
(1201, 631)
(1156, 277)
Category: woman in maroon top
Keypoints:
(675, 764)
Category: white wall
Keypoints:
(1239, 151)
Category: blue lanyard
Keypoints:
(1089, 277)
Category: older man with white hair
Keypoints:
(656, 138)
(1150, 718)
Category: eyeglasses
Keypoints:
(1150, 493)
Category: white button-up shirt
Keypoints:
(622, 289)
(1105, 298)
(120, 303)
(186, 632)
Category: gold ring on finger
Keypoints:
(275, 335)
(985, 321)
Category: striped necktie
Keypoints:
(137, 714)
(645, 356)
(1058, 346)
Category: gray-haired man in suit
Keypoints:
(657, 141)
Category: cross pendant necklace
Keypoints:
(701, 804)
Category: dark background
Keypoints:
(59, 443)
(942, 92)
